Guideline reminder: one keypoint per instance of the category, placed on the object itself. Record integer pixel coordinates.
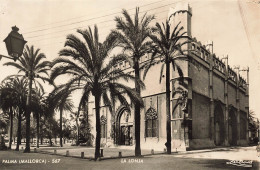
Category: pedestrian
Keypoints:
(258, 149)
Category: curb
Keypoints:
(105, 158)
(132, 156)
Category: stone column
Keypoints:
(238, 105)
(247, 101)
(226, 118)
(247, 106)
(211, 67)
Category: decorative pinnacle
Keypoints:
(236, 67)
(15, 28)
(224, 58)
(245, 69)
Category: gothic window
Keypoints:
(151, 127)
(103, 122)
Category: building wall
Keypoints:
(218, 88)
(200, 70)
(158, 103)
(200, 118)
(232, 95)
(200, 78)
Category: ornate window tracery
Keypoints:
(151, 123)
(103, 122)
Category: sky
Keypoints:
(233, 26)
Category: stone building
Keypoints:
(214, 107)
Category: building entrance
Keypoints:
(126, 135)
(219, 125)
(125, 128)
(232, 128)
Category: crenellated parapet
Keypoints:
(202, 51)
(232, 74)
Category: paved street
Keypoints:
(202, 159)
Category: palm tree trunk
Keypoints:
(19, 130)
(38, 127)
(50, 134)
(98, 135)
(61, 135)
(41, 134)
(27, 115)
(50, 142)
(137, 110)
(77, 124)
(168, 114)
(11, 128)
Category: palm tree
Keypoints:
(48, 124)
(3, 120)
(167, 45)
(19, 92)
(32, 65)
(37, 107)
(74, 116)
(62, 99)
(86, 64)
(3, 125)
(8, 103)
(133, 37)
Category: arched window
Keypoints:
(151, 123)
(103, 122)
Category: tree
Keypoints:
(133, 37)
(50, 128)
(168, 45)
(84, 124)
(63, 102)
(32, 65)
(19, 93)
(253, 126)
(8, 103)
(3, 125)
(74, 117)
(86, 64)
(38, 110)
(3, 120)
(66, 129)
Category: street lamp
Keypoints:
(14, 44)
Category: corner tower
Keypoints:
(181, 117)
(182, 12)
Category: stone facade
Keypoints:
(214, 113)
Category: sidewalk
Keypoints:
(108, 153)
(75, 151)
(230, 153)
(113, 152)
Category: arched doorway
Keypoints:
(219, 125)
(232, 128)
(124, 127)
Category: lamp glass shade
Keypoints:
(15, 43)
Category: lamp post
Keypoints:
(14, 44)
